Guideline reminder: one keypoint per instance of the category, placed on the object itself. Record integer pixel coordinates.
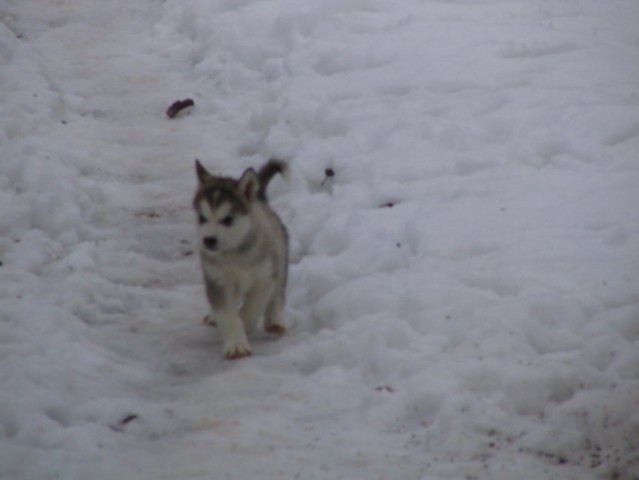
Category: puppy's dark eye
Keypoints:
(201, 219)
(227, 221)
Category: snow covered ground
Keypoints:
(464, 297)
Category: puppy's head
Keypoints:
(223, 211)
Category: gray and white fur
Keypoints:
(243, 248)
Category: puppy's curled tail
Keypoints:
(267, 172)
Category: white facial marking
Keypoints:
(224, 210)
(227, 235)
(206, 211)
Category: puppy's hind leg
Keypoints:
(273, 316)
(210, 320)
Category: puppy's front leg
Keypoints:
(255, 304)
(228, 320)
(233, 335)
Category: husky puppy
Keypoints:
(243, 248)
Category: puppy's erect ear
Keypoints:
(202, 173)
(249, 184)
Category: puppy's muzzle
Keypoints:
(210, 243)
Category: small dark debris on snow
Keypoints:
(178, 106)
(149, 214)
(385, 388)
(122, 423)
(330, 173)
(128, 419)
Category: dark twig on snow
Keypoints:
(178, 106)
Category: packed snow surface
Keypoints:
(463, 210)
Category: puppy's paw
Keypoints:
(209, 320)
(236, 353)
(236, 347)
(275, 329)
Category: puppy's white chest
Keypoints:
(240, 279)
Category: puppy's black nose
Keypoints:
(210, 242)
